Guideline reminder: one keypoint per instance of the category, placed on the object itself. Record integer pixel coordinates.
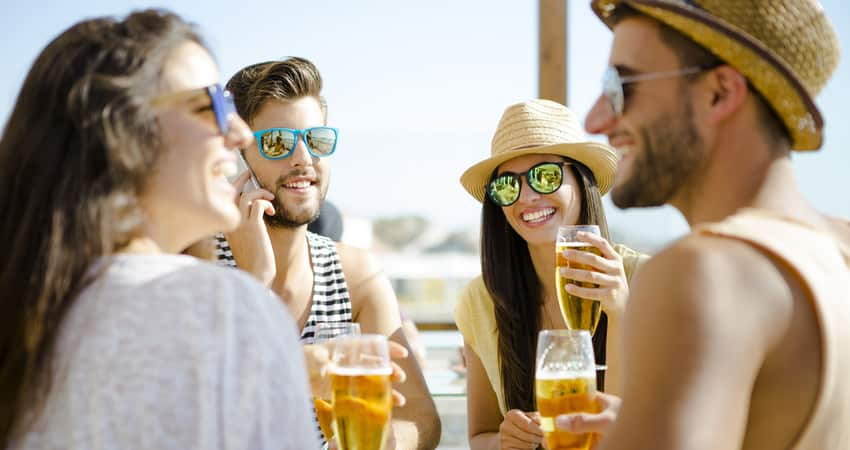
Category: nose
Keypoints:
(238, 133)
(300, 155)
(601, 117)
(526, 194)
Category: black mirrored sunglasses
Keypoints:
(544, 178)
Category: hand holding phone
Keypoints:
(242, 165)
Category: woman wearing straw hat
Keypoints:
(501, 312)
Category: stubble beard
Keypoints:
(293, 217)
(672, 151)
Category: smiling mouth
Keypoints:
(298, 184)
(538, 216)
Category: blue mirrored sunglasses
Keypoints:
(278, 143)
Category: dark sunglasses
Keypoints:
(278, 143)
(544, 178)
(613, 82)
(221, 102)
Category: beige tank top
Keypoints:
(823, 265)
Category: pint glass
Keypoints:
(579, 313)
(361, 391)
(565, 382)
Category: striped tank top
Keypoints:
(331, 302)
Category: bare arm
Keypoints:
(416, 425)
(701, 318)
(487, 428)
(482, 407)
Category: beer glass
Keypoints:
(361, 391)
(579, 313)
(564, 382)
(326, 332)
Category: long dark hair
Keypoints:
(517, 294)
(78, 147)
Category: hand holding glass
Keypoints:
(361, 391)
(579, 313)
(326, 332)
(565, 382)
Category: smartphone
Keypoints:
(242, 166)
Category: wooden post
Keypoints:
(552, 78)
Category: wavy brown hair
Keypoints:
(289, 79)
(78, 147)
(516, 290)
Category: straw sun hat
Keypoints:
(787, 49)
(541, 127)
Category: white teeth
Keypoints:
(298, 185)
(538, 215)
(623, 151)
(224, 168)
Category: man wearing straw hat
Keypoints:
(737, 335)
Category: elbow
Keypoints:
(431, 428)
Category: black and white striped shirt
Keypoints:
(331, 302)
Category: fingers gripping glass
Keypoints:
(613, 82)
(221, 102)
(278, 143)
(543, 178)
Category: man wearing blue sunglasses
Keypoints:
(320, 281)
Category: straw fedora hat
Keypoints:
(541, 127)
(787, 49)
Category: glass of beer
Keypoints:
(579, 313)
(326, 332)
(564, 382)
(361, 391)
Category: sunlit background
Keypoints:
(417, 89)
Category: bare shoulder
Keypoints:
(840, 228)
(709, 282)
(358, 265)
(370, 290)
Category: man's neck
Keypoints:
(742, 174)
(290, 250)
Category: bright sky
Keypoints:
(417, 89)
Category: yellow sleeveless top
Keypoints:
(476, 321)
(823, 266)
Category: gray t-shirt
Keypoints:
(169, 352)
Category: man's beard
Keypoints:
(671, 152)
(285, 218)
(293, 217)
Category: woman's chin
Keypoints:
(222, 217)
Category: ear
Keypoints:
(728, 89)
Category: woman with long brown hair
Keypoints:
(113, 161)
(501, 313)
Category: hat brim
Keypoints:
(765, 70)
(599, 158)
